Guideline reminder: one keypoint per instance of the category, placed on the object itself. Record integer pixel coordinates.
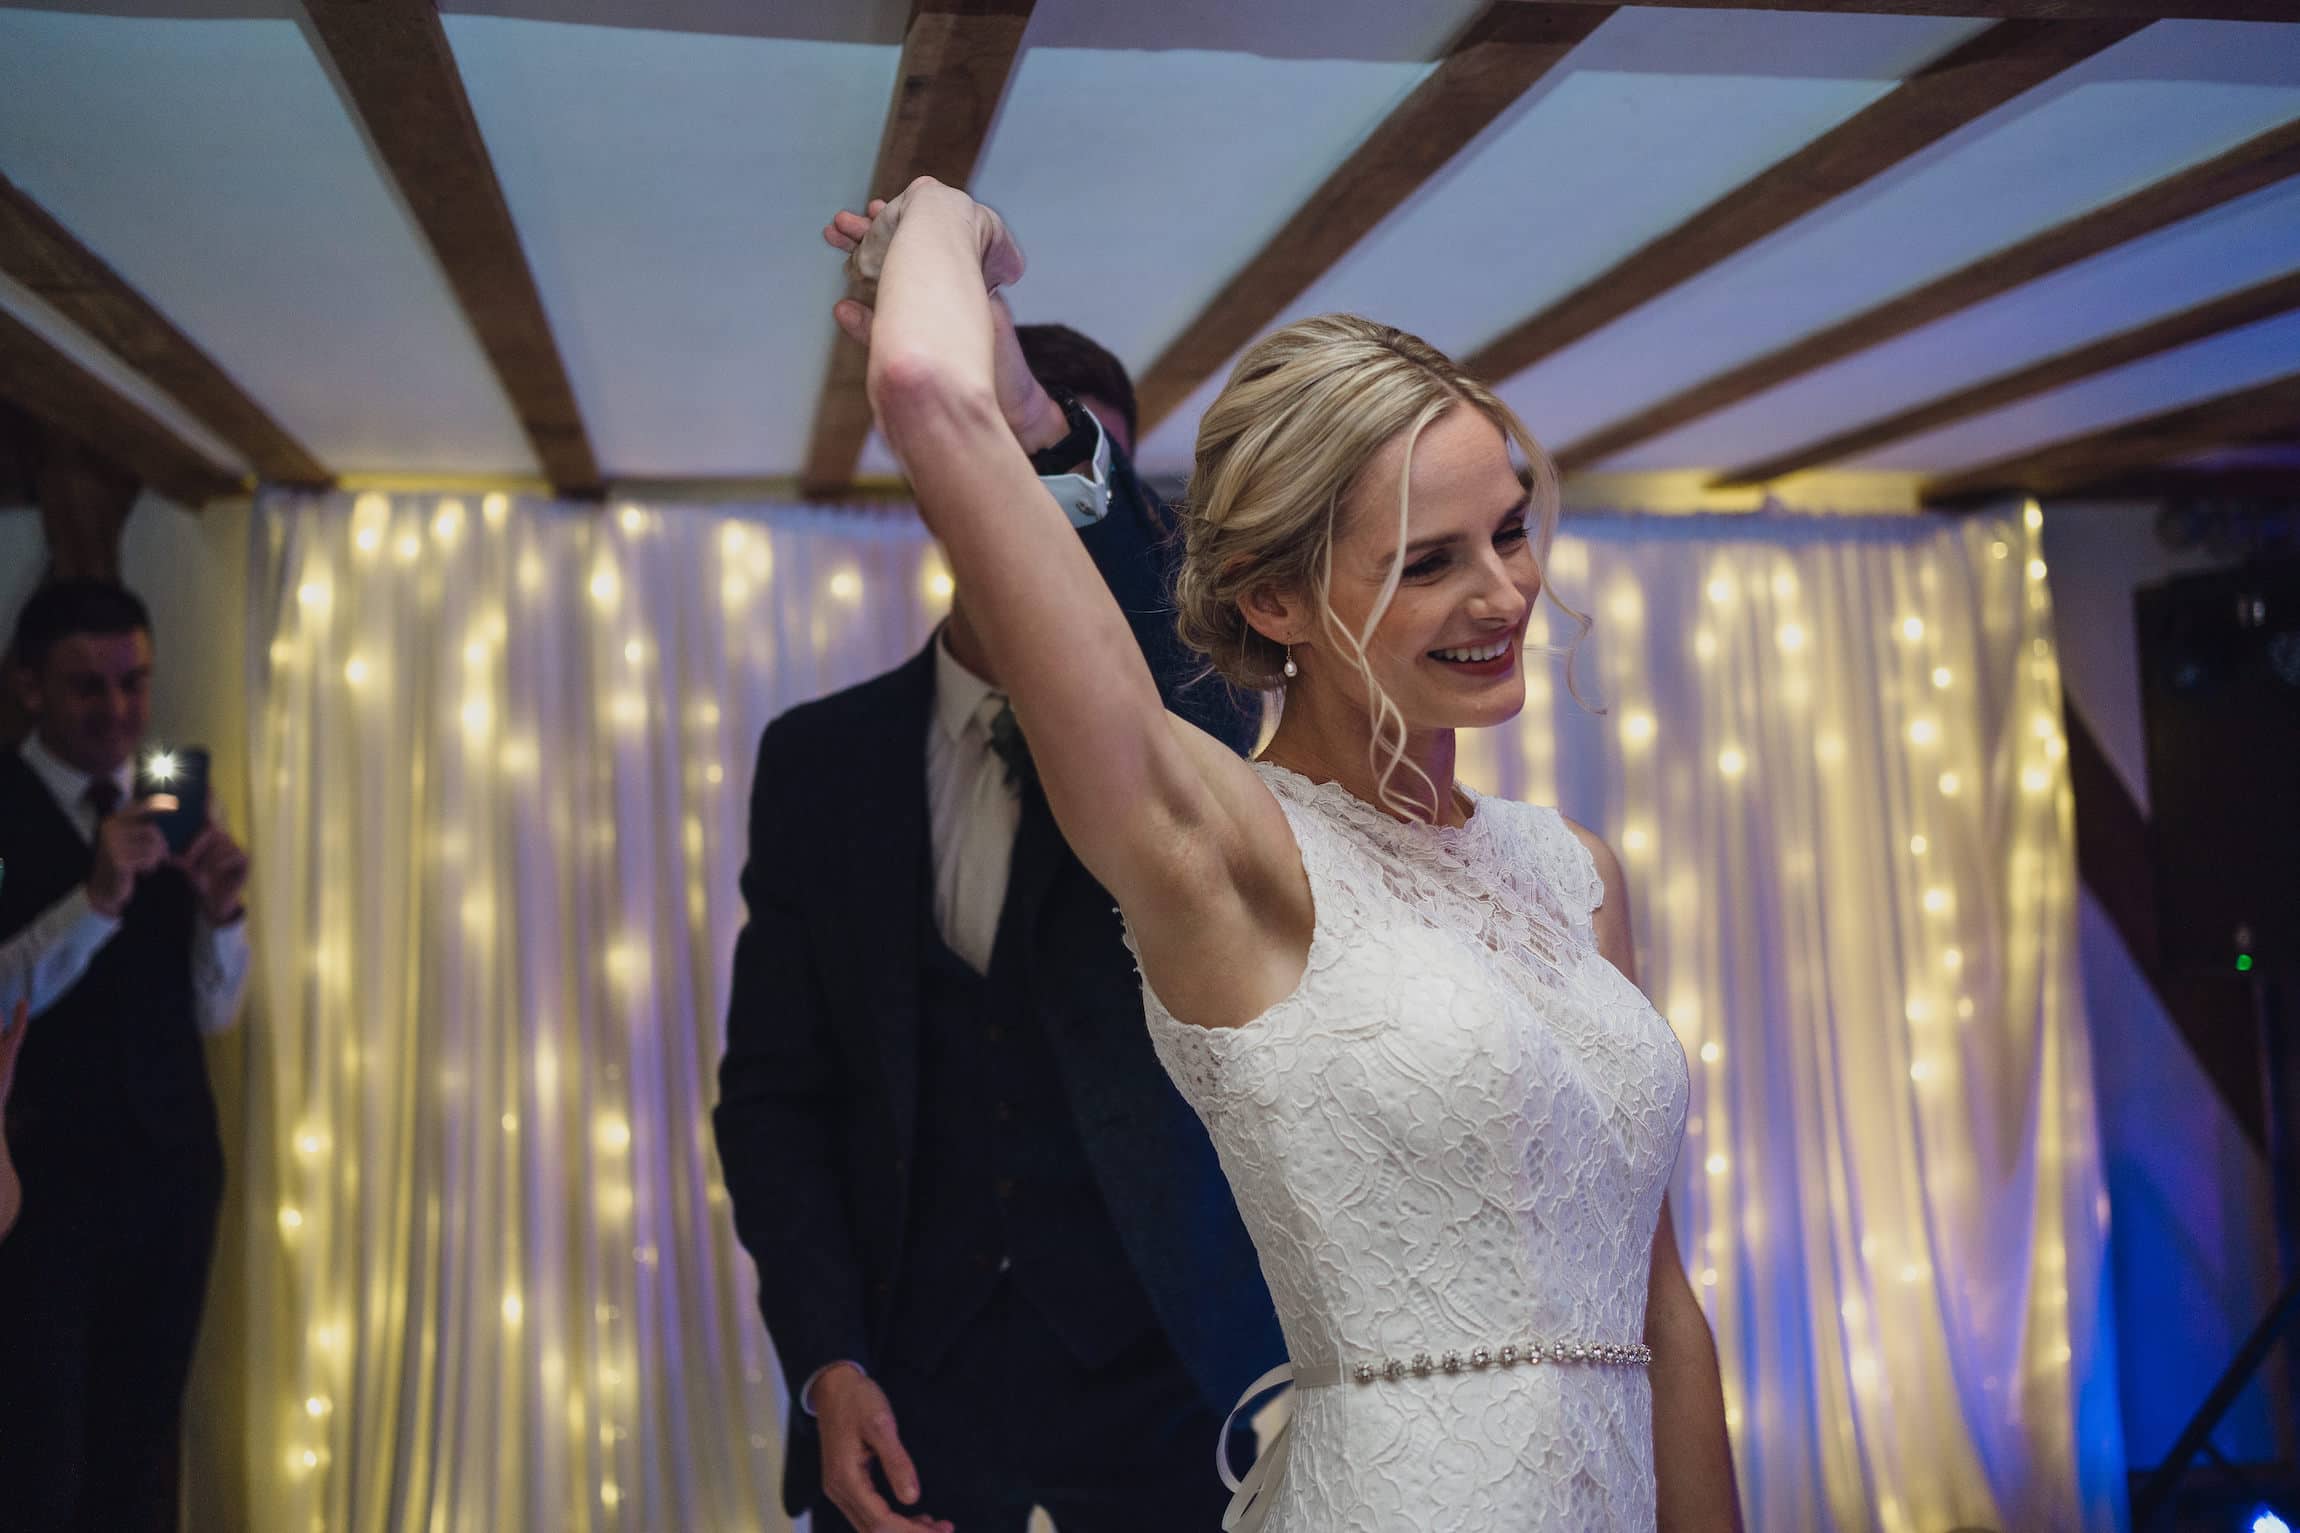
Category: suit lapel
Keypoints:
(883, 884)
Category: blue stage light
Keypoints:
(2265, 1521)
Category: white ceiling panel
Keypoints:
(2225, 363)
(212, 163)
(2170, 96)
(1128, 224)
(2247, 241)
(1654, 116)
(670, 189)
(1134, 213)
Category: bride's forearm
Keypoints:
(1693, 1457)
(931, 341)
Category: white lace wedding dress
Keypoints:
(1450, 1145)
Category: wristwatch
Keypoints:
(1083, 497)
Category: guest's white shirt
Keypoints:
(971, 810)
(46, 959)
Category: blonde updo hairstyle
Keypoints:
(1280, 451)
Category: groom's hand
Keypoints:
(1030, 411)
(857, 1428)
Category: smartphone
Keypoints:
(182, 771)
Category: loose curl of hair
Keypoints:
(1279, 453)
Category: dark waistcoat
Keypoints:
(1003, 1182)
(113, 1074)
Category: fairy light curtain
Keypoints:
(1833, 764)
(502, 758)
(502, 750)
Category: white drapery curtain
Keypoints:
(501, 751)
(1833, 764)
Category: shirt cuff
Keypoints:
(807, 1390)
(1084, 498)
(219, 973)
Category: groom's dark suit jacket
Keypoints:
(850, 1123)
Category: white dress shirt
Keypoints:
(46, 959)
(972, 811)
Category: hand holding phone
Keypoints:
(129, 844)
(181, 775)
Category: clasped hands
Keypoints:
(1030, 412)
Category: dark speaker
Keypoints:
(2220, 696)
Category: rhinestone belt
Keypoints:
(1421, 1365)
(1255, 1490)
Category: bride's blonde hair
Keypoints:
(1279, 452)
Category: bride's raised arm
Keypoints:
(1177, 828)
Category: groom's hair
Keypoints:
(63, 608)
(1058, 354)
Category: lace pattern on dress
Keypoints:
(1459, 1125)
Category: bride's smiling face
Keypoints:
(1449, 647)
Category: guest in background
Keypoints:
(132, 955)
(996, 1255)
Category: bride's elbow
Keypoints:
(913, 389)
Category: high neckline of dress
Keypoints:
(1304, 788)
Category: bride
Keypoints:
(1406, 1012)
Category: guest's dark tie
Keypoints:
(104, 798)
(1006, 739)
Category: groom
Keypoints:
(996, 1255)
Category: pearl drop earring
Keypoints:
(1292, 670)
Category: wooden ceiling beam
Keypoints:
(395, 63)
(2258, 162)
(1968, 82)
(2006, 10)
(957, 56)
(74, 403)
(1510, 46)
(48, 259)
(2262, 300)
(2100, 457)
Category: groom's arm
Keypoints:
(780, 1117)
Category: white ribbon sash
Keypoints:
(1251, 1497)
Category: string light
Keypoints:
(409, 548)
(1716, 1164)
(605, 585)
(1918, 845)
(1950, 784)
(447, 523)
(1912, 628)
(633, 520)
(494, 509)
(1942, 676)
(1924, 732)
(1637, 728)
(1791, 637)
(1731, 762)
(514, 1308)
(846, 586)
